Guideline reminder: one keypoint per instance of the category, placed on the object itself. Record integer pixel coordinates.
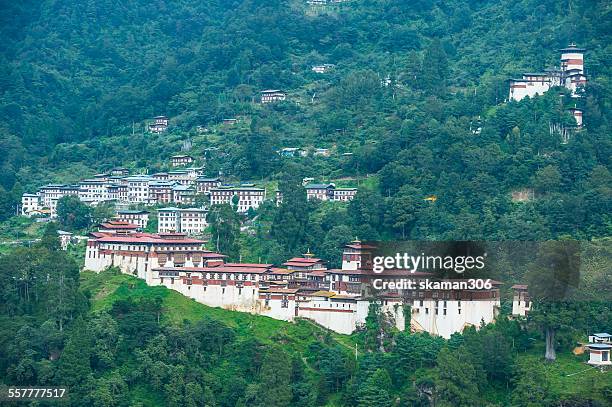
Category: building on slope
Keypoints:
(303, 288)
(139, 253)
(191, 221)
(570, 74)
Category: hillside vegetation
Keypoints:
(81, 77)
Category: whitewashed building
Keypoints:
(521, 302)
(272, 95)
(570, 74)
(30, 203)
(191, 221)
(139, 218)
(247, 197)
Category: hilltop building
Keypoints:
(292, 152)
(329, 192)
(577, 114)
(159, 125)
(570, 74)
(181, 160)
(324, 68)
(272, 95)
(119, 172)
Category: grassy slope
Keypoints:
(295, 337)
(107, 288)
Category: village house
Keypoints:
(321, 152)
(247, 196)
(93, 191)
(51, 193)
(161, 192)
(118, 192)
(272, 95)
(570, 74)
(181, 160)
(292, 152)
(203, 185)
(159, 125)
(139, 218)
(138, 188)
(230, 122)
(599, 352)
(521, 302)
(323, 68)
(577, 115)
(191, 221)
(183, 194)
(329, 192)
(29, 204)
(120, 172)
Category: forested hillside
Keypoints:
(415, 115)
(80, 77)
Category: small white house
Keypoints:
(599, 354)
(600, 338)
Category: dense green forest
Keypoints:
(80, 77)
(412, 82)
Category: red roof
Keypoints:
(143, 238)
(258, 265)
(118, 225)
(279, 290)
(304, 260)
(360, 246)
(219, 269)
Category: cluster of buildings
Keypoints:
(302, 287)
(173, 187)
(570, 74)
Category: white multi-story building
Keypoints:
(247, 197)
(183, 194)
(272, 95)
(570, 75)
(329, 192)
(191, 221)
(159, 125)
(29, 204)
(139, 218)
(181, 160)
(93, 191)
(203, 185)
(336, 299)
(138, 188)
(51, 193)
